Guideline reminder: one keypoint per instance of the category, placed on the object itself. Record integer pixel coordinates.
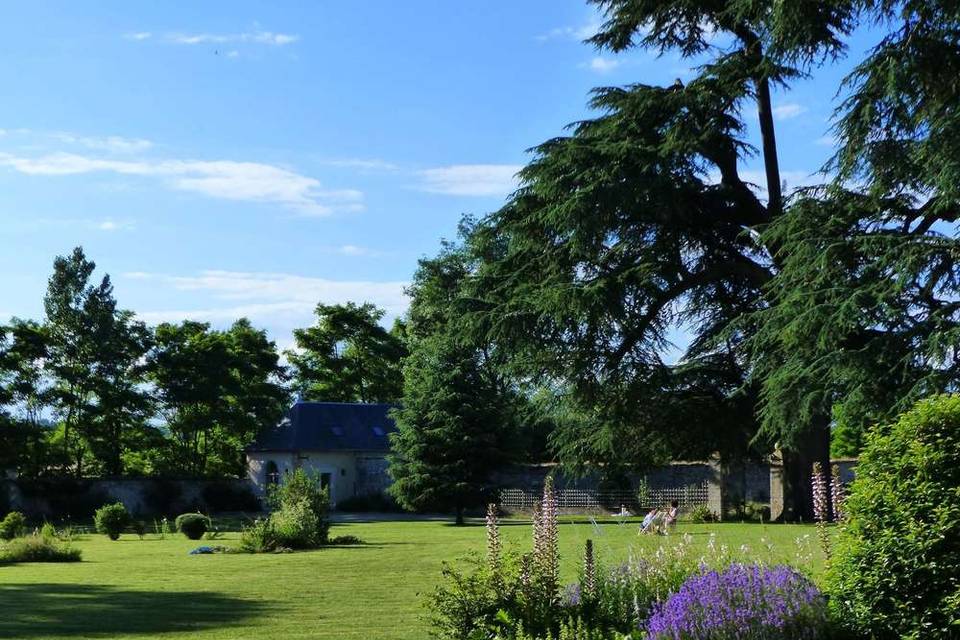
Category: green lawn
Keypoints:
(151, 588)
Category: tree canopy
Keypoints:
(347, 356)
(639, 222)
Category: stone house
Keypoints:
(346, 444)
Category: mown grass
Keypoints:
(152, 588)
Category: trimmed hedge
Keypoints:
(896, 568)
(192, 525)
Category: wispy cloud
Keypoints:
(357, 251)
(573, 32)
(223, 179)
(827, 141)
(787, 111)
(364, 164)
(113, 144)
(602, 65)
(282, 300)
(268, 38)
(109, 224)
(138, 35)
(471, 179)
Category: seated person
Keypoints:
(624, 512)
(651, 521)
(673, 513)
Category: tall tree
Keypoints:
(641, 222)
(215, 391)
(24, 397)
(457, 417)
(347, 356)
(92, 360)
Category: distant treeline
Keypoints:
(89, 390)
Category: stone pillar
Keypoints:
(777, 487)
(715, 486)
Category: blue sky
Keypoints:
(251, 158)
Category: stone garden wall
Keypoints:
(56, 498)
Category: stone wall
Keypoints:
(56, 498)
(721, 488)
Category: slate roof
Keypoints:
(330, 426)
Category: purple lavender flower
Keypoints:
(743, 601)
(571, 595)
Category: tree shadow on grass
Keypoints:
(66, 610)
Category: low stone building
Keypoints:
(346, 444)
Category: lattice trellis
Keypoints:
(592, 501)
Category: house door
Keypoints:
(325, 481)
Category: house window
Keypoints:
(272, 473)
(325, 481)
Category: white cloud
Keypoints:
(826, 141)
(281, 300)
(269, 38)
(109, 224)
(471, 179)
(138, 35)
(357, 251)
(113, 144)
(366, 164)
(223, 179)
(602, 65)
(570, 32)
(787, 111)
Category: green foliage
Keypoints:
(347, 356)
(701, 514)
(13, 526)
(297, 525)
(259, 537)
(38, 549)
(344, 541)
(111, 520)
(94, 353)
(216, 390)
(452, 429)
(192, 525)
(896, 561)
(48, 530)
(299, 519)
(139, 527)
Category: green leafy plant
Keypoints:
(13, 526)
(259, 537)
(111, 519)
(702, 514)
(896, 560)
(38, 549)
(139, 527)
(48, 531)
(192, 525)
(344, 541)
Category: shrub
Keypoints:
(111, 519)
(192, 525)
(345, 541)
(13, 526)
(702, 514)
(300, 515)
(48, 531)
(897, 559)
(259, 537)
(229, 495)
(744, 601)
(38, 549)
(297, 526)
(139, 527)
